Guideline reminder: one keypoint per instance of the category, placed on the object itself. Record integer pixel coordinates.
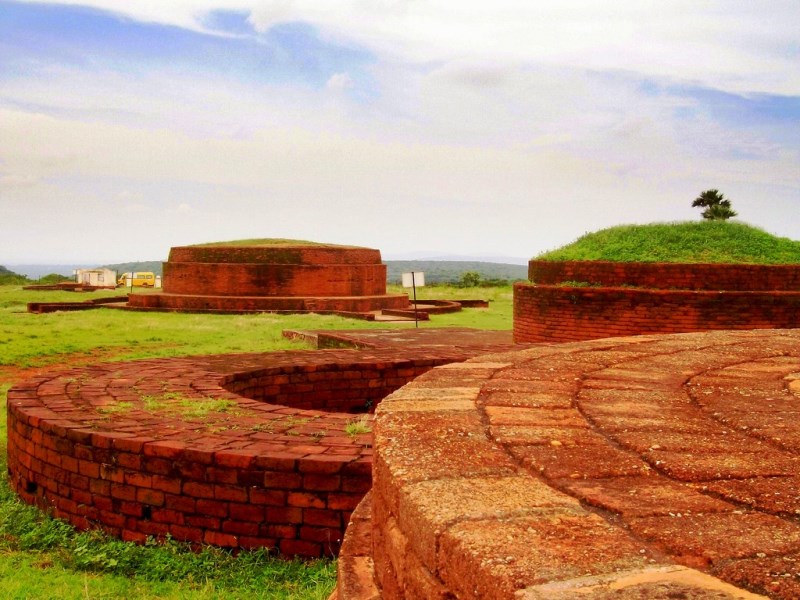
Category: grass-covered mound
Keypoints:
(690, 242)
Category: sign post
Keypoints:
(412, 280)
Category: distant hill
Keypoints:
(8, 277)
(153, 266)
(450, 271)
(34, 272)
(436, 271)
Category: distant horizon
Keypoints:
(44, 268)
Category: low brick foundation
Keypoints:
(244, 304)
(591, 307)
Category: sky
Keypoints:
(418, 127)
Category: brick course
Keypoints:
(668, 298)
(693, 276)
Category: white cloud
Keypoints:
(184, 208)
(740, 47)
(339, 82)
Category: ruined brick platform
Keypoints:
(239, 451)
(290, 277)
(582, 300)
(643, 467)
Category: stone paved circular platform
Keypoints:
(645, 467)
(239, 450)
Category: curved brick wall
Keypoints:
(619, 468)
(708, 297)
(114, 446)
(694, 276)
(285, 277)
(262, 474)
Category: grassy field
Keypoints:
(691, 242)
(44, 558)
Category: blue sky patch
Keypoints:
(34, 36)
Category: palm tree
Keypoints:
(716, 206)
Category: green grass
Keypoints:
(690, 242)
(499, 315)
(269, 242)
(358, 426)
(35, 340)
(44, 558)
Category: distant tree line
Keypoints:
(458, 273)
(8, 277)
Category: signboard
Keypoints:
(414, 279)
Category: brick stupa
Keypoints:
(272, 276)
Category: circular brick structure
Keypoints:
(642, 467)
(238, 451)
(584, 300)
(286, 276)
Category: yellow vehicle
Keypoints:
(138, 279)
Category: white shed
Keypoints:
(96, 277)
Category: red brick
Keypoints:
(240, 528)
(198, 490)
(212, 508)
(278, 480)
(216, 538)
(325, 464)
(133, 536)
(138, 479)
(158, 530)
(166, 484)
(89, 469)
(321, 482)
(343, 501)
(305, 500)
(257, 541)
(170, 450)
(186, 534)
(183, 504)
(123, 492)
(279, 531)
(133, 509)
(164, 515)
(330, 538)
(284, 515)
(129, 461)
(203, 522)
(299, 548)
(155, 465)
(326, 518)
(269, 497)
(247, 512)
